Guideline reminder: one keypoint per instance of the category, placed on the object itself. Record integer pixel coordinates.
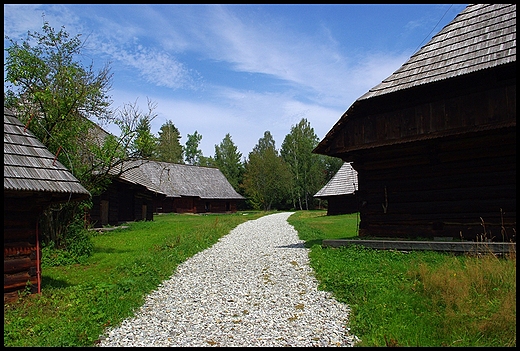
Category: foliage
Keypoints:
(417, 298)
(58, 99)
(228, 161)
(267, 178)
(145, 143)
(306, 167)
(75, 247)
(47, 82)
(192, 153)
(78, 302)
(332, 166)
(169, 148)
(206, 161)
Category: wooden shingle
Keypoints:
(186, 180)
(480, 37)
(344, 182)
(30, 167)
(131, 172)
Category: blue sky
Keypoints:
(241, 69)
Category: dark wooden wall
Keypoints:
(437, 160)
(342, 204)
(187, 204)
(479, 101)
(125, 204)
(20, 256)
(447, 187)
(164, 205)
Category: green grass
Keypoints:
(420, 298)
(78, 302)
(397, 299)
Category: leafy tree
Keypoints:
(192, 153)
(206, 161)
(332, 166)
(53, 94)
(145, 143)
(169, 148)
(307, 168)
(58, 99)
(267, 178)
(228, 160)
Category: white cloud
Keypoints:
(312, 75)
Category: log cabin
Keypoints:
(191, 189)
(129, 197)
(434, 144)
(340, 191)
(33, 180)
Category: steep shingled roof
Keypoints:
(176, 180)
(344, 182)
(131, 172)
(481, 36)
(29, 166)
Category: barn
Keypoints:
(129, 197)
(191, 189)
(33, 180)
(434, 144)
(340, 191)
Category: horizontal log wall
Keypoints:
(475, 101)
(165, 205)
(455, 187)
(125, 204)
(20, 259)
(342, 204)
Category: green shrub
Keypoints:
(79, 248)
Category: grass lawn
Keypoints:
(419, 298)
(79, 301)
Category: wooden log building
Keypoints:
(434, 144)
(130, 197)
(191, 189)
(340, 191)
(33, 181)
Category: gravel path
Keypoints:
(254, 287)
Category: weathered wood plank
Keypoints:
(18, 281)
(413, 245)
(17, 265)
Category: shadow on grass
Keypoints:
(293, 246)
(311, 243)
(108, 250)
(54, 283)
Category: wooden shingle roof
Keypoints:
(30, 167)
(480, 37)
(131, 172)
(344, 182)
(177, 180)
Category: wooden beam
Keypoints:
(446, 246)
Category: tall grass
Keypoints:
(79, 301)
(420, 298)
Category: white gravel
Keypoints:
(254, 287)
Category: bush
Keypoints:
(78, 248)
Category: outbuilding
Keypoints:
(130, 197)
(191, 189)
(434, 144)
(340, 191)
(33, 180)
